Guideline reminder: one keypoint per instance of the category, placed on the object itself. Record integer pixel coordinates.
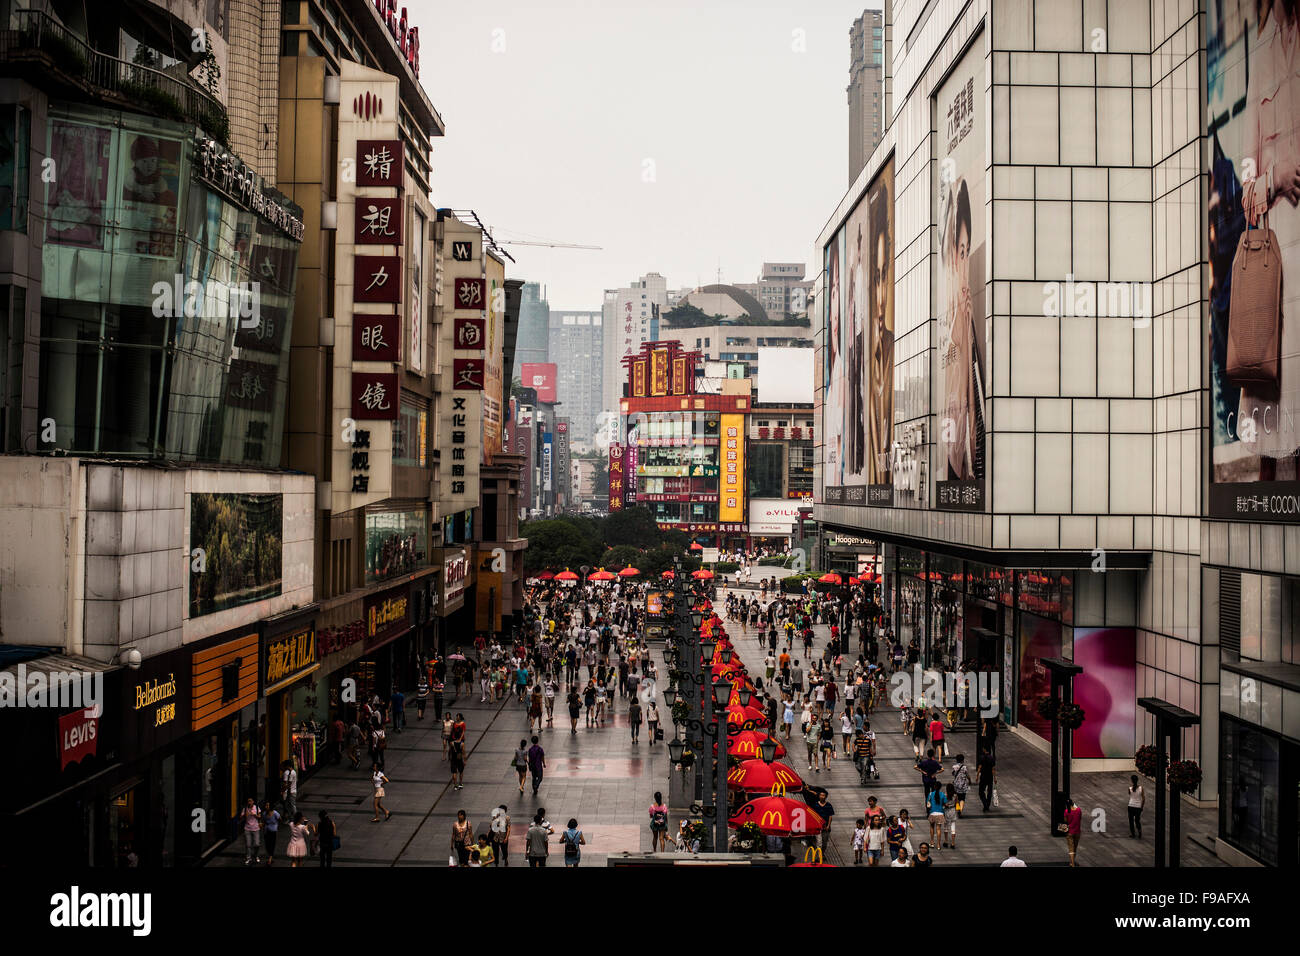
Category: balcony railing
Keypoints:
(54, 53)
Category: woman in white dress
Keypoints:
(299, 830)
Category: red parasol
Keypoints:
(545, 576)
(778, 816)
(603, 575)
(667, 574)
(628, 572)
(696, 546)
(830, 577)
(745, 744)
(702, 574)
(742, 714)
(566, 575)
(755, 775)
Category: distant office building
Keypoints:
(866, 88)
(781, 289)
(577, 345)
(534, 327)
(740, 327)
(630, 319)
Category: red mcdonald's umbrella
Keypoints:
(603, 575)
(778, 816)
(628, 572)
(747, 715)
(545, 576)
(745, 744)
(566, 575)
(830, 577)
(703, 574)
(667, 574)
(755, 775)
(696, 546)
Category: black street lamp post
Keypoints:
(1171, 721)
(1063, 673)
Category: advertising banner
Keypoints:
(961, 377)
(1253, 88)
(540, 376)
(731, 504)
(1106, 690)
(772, 516)
(615, 477)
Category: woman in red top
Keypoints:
(1073, 828)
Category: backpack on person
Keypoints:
(961, 778)
(659, 820)
(571, 838)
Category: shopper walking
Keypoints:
(634, 719)
(521, 763)
(1073, 829)
(536, 763)
(299, 830)
(251, 817)
(462, 838)
(986, 771)
(652, 721)
(658, 824)
(573, 841)
(500, 827)
(327, 834)
(377, 780)
(1137, 799)
(537, 847)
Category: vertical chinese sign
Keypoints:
(464, 328)
(615, 477)
(372, 285)
(731, 495)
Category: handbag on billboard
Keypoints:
(1255, 310)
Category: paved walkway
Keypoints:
(607, 783)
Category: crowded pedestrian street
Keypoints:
(601, 778)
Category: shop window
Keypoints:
(397, 542)
(411, 437)
(1250, 800)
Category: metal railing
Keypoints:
(143, 87)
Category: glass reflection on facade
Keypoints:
(165, 306)
(396, 542)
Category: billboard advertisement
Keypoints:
(962, 374)
(1039, 638)
(731, 492)
(858, 364)
(241, 539)
(493, 371)
(615, 477)
(772, 516)
(540, 376)
(1106, 690)
(1253, 89)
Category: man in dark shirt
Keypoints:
(536, 763)
(984, 768)
(930, 769)
(818, 800)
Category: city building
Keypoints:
(1042, 428)
(149, 301)
(683, 449)
(779, 459)
(532, 342)
(577, 342)
(629, 319)
(867, 88)
(781, 289)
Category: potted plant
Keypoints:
(748, 839)
(688, 759)
(1048, 708)
(1184, 776)
(1147, 761)
(681, 712)
(1070, 716)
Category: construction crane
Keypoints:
(548, 245)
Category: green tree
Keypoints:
(634, 526)
(558, 543)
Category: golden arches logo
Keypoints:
(772, 818)
(784, 776)
(735, 774)
(778, 789)
(813, 855)
(746, 747)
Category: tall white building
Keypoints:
(630, 317)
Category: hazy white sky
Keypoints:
(554, 107)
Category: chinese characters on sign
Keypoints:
(378, 222)
(374, 396)
(377, 279)
(375, 338)
(467, 374)
(379, 163)
(731, 507)
(469, 293)
(250, 385)
(458, 444)
(961, 114)
(615, 476)
(470, 334)
(361, 462)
